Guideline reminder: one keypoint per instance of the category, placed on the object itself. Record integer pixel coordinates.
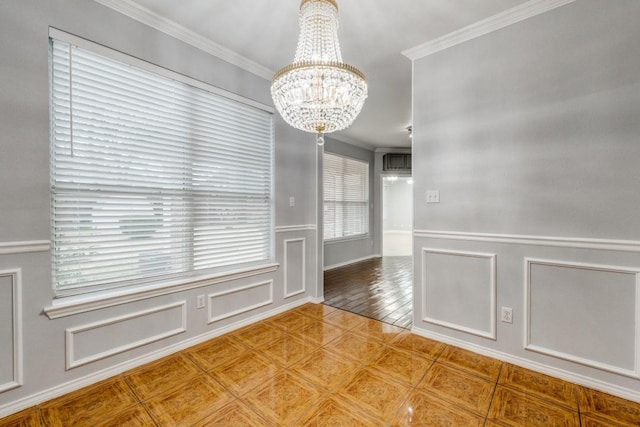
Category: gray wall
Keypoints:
(397, 199)
(342, 252)
(36, 361)
(531, 135)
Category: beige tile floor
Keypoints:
(320, 366)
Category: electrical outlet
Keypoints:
(200, 301)
(433, 196)
(507, 315)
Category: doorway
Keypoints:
(397, 215)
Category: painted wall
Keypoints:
(342, 252)
(531, 135)
(397, 199)
(40, 357)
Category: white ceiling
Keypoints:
(372, 36)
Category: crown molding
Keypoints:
(175, 30)
(493, 23)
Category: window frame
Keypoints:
(351, 237)
(185, 277)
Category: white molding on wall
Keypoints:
(9, 248)
(340, 240)
(493, 283)
(94, 377)
(72, 362)
(75, 305)
(304, 269)
(493, 23)
(625, 393)
(292, 228)
(211, 297)
(352, 261)
(177, 31)
(635, 373)
(16, 305)
(517, 239)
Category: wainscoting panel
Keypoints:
(294, 267)
(10, 329)
(229, 303)
(99, 340)
(459, 290)
(584, 313)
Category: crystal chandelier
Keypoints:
(318, 93)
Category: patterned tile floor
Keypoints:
(320, 366)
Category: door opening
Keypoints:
(397, 215)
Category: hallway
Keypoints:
(380, 288)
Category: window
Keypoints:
(346, 197)
(154, 176)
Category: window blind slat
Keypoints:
(152, 179)
(346, 196)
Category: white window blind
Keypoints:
(151, 178)
(346, 197)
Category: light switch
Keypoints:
(433, 196)
(292, 201)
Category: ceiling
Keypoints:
(373, 35)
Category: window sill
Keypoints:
(347, 239)
(70, 306)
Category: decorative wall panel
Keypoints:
(294, 267)
(102, 339)
(229, 303)
(10, 329)
(459, 290)
(569, 316)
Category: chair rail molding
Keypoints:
(518, 239)
(9, 248)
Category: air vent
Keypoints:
(396, 162)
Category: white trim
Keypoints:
(212, 296)
(16, 303)
(292, 228)
(493, 23)
(635, 373)
(94, 377)
(304, 270)
(8, 248)
(493, 284)
(625, 393)
(72, 362)
(316, 300)
(353, 261)
(177, 31)
(74, 305)
(153, 68)
(354, 238)
(517, 239)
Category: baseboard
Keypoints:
(625, 393)
(68, 387)
(352, 261)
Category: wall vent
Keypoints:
(393, 162)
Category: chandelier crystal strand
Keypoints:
(318, 93)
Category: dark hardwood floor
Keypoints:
(379, 288)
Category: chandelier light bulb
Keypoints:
(318, 93)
